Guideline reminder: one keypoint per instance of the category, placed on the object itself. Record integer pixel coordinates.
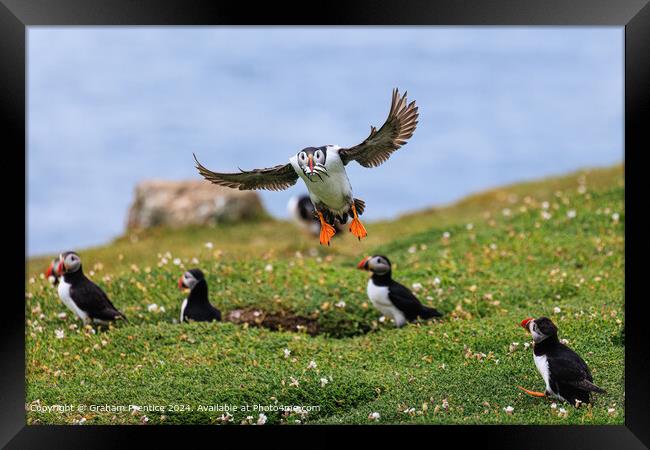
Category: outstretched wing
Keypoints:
(275, 178)
(377, 148)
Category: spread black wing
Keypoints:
(275, 178)
(90, 298)
(405, 301)
(378, 146)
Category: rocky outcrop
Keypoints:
(196, 202)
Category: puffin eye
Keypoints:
(302, 156)
(318, 154)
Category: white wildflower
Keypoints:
(340, 304)
(261, 419)
(374, 416)
(446, 235)
(209, 245)
(508, 409)
(469, 226)
(616, 217)
(59, 334)
(436, 281)
(571, 213)
(557, 310)
(287, 352)
(323, 382)
(416, 286)
(312, 364)
(268, 268)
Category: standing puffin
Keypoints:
(302, 211)
(323, 170)
(390, 297)
(81, 295)
(566, 375)
(51, 274)
(197, 306)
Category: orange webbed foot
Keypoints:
(356, 227)
(327, 231)
(532, 393)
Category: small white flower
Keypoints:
(80, 421)
(261, 419)
(436, 281)
(546, 215)
(564, 341)
(545, 205)
(193, 261)
(562, 412)
(469, 226)
(553, 405)
(59, 334)
(312, 364)
(611, 411)
(412, 249)
(268, 268)
(340, 304)
(294, 382)
(374, 416)
(382, 319)
(506, 212)
(616, 217)
(145, 419)
(323, 382)
(61, 315)
(209, 245)
(416, 286)
(526, 344)
(446, 235)
(177, 261)
(287, 352)
(571, 213)
(582, 189)
(152, 307)
(508, 409)
(557, 310)
(493, 246)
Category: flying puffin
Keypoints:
(323, 170)
(566, 375)
(196, 306)
(302, 212)
(51, 274)
(81, 295)
(390, 297)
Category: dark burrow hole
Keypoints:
(280, 321)
(287, 321)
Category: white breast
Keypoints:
(64, 294)
(183, 305)
(378, 295)
(542, 366)
(335, 191)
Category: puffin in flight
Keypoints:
(391, 298)
(81, 295)
(566, 375)
(323, 170)
(196, 306)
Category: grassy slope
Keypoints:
(505, 268)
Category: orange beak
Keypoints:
(311, 164)
(59, 268)
(180, 283)
(48, 272)
(524, 323)
(363, 262)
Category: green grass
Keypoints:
(463, 369)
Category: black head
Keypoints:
(312, 160)
(541, 328)
(69, 262)
(377, 264)
(190, 278)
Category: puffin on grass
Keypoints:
(197, 306)
(566, 375)
(82, 296)
(323, 170)
(391, 298)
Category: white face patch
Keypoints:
(189, 280)
(538, 336)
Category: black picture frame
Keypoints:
(634, 15)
